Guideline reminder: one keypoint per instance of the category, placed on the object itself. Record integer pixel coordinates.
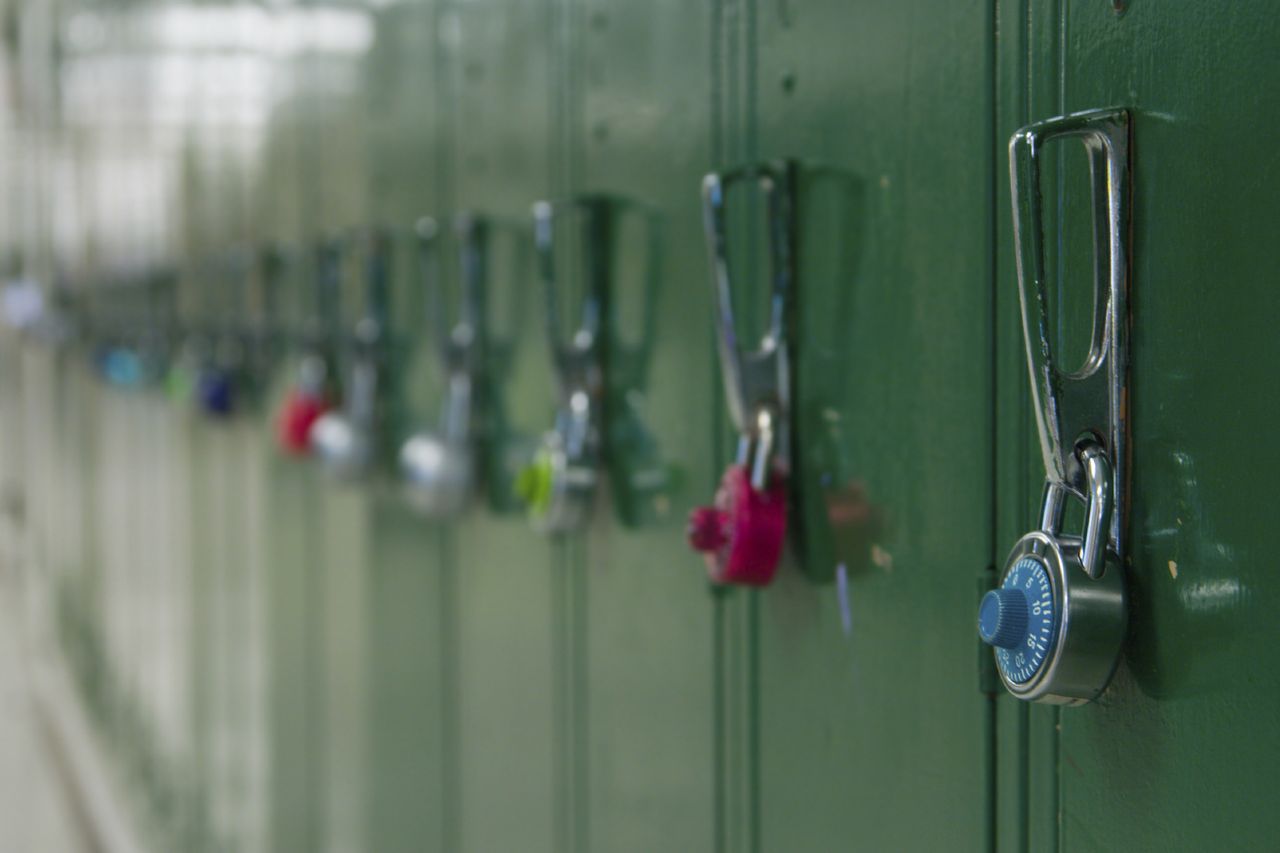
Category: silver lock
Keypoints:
(561, 482)
(439, 467)
(1057, 618)
(346, 441)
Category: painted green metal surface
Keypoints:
(867, 694)
(506, 783)
(644, 618)
(282, 662)
(1177, 752)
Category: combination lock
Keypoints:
(1057, 619)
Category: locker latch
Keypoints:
(346, 441)
(439, 466)
(740, 536)
(1057, 618)
(312, 393)
(558, 486)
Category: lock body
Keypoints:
(216, 392)
(343, 440)
(1073, 625)
(740, 536)
(342, 447)
(438, 474)
(557, 486)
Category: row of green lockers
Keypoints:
(279, 661)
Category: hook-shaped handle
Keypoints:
(759, 377)
(459, 340)
(234, 269)
(472, 231)
(426, 233)
(1074, 409)
(595, 239)
(327, 286)
(272, 264)
(376, 242)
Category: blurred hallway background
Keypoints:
(39, 812)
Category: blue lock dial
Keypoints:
(1019, 619)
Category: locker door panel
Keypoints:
(293, 587)
(1187, 718)
(645, 134)
(870, 706)
(496, 78)
(334, 147)
(407, 574)
(1190, 717)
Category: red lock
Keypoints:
(741, 536)
(299, 413)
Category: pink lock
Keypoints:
(741, 536)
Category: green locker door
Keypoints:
(872, 732)
(645, 644)
(500, 766)
(335, 154)
(1179, 752)
(292, 590)
(407, 576)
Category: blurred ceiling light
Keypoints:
(231, 28)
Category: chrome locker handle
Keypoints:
(560, 482)
(347, 442)
(1057, 620)
(756, 380)
(439, 468)
(741, 535)
(1074, 409)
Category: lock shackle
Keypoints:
(1099, 508)
(757, 381)
(577, 361)
(758, 447)
(1091, 401)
